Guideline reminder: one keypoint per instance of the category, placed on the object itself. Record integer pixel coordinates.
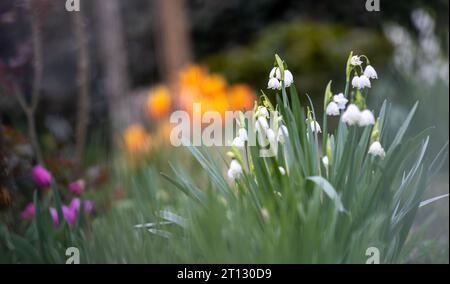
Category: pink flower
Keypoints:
(77, 187)
(29, 212)
(54, 215)
(41, 176)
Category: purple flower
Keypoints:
(29, 212)
(41, 176)
(77, 187)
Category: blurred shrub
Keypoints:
(313, 50)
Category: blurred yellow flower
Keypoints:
(136, 139)
(159, 102)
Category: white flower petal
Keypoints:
(355, 60)
(340, 100)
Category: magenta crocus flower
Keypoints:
(29, 212)
(41, 176)
(88, 206)
(70, 215)
(54, 215)
(76, 203)
(77, 187)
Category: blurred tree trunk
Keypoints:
(83, 87)
(172, 38)
(114, 63)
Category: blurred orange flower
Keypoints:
(213, 86)
(241, 96)
(136, 139)
(192, 76)
(196, 85)
(159, 102)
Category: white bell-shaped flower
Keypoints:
(282, 134)
(288, 78)
(356, 82)
(262, 111)
(238, 143)
(273, 84)
(366, 118)
(261, 124)
(364, 82)
(315, 127)
(370, 72)
(377, 150)
(332, 109)
(235, 170)
(243, 134)
(352, 115)
(275, 73)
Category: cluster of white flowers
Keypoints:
(263, 129)
(265, 136)
(275, 79)
(338, 103)
(353, 116)
(363, 81)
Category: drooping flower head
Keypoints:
(352, 115)
(283, 134)
(370, 72)
(235, 170)
(366, 118)
(315, 127)
(377, 150)
(332, 109)
(41, 176)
